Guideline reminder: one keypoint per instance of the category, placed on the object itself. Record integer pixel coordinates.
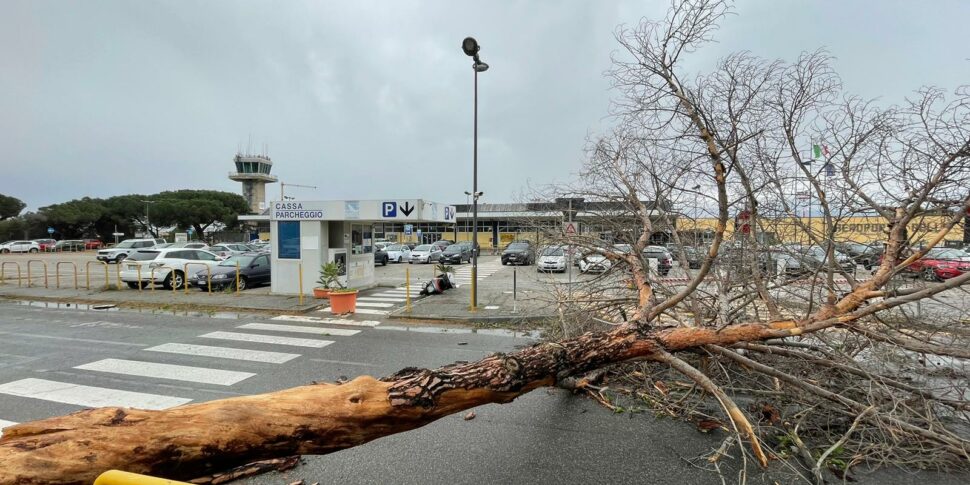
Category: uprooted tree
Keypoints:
(735, 138)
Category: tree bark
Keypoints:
(199, 439)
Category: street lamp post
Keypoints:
(470, 47)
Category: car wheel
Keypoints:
(120, 258)
(175, 280)
(242, 283)
(504, 262)
(929, 275)
(399, 259)
(33, 250)
(385, 261)
(133, 285)
(4, 250)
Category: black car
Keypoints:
(664, 259)
(864, 254)
(468, 244)
(380, 256)
(519, 253)
(253, 270)
(456, 254)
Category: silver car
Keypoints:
(425, 253)
(398, 253)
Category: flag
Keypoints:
(820, 151)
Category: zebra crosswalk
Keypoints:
(463, 274)
(139, 381)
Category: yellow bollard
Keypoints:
(407, 289)
(3, 269)
(118, 274)
(57, 272)
(151, 274)
(237, 278)
(301, 283)
(116, 477)
(29, 279)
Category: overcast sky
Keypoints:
(372, 100)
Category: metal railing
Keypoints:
(208, 276)
(87, 273)
(29, 279)
(57, 272)
(3, 271)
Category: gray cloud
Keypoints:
(373, 99)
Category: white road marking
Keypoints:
(167, 371)
(373, 304)
(225, 353)
(339, 332)
(368, 311)
(328, 321)
(268, 339)
(380, 299)
(87, 396)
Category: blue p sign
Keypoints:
(389, 209)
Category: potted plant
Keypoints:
(329, 279)
(343, 300)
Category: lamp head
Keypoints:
(470, 46)
(480, 66)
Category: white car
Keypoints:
(594, 262)
(166, 266)
(398, 253)
(19, 247)
(230, 249)
(119, 252)
(425, 253)
(552, 258)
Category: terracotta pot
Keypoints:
(343, 302)
(321, 293)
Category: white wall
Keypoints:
(313, 252)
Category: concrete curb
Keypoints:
(165, 306)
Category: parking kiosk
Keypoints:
(312, 233)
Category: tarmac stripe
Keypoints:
(88, 396)
(268, 339)
(380, 299)
(328, 321)
(339, 332)
(225, 353)
(374, 304)
(4, 424)
(167, 371)
(367, 311)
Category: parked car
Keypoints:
(166, 266)
(19, 247)
(398, 253)
(801, 260)
(45, 244)
(254, 269)
(380, 256)
(552, 258)
(594, 261)
(456, 254)
(190, 245)
(473, 248)
(425, 253)
(229, 249)
(518, 253)
(71, 245)
(411, 245)
(864, 254)
(941, 263)
(444, 242)
(119, 252)
(93, 244)
(664, 259)
(695, 256)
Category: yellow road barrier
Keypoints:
(151, 274)
(29, 280)
(57, 272)
(87, 273)
(3, 271)
(116, 477)
(208, 276)
(118, 274)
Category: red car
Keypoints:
(92, 244)
(941, 263)
(45, 244)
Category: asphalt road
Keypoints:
(48, 355)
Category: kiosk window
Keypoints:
(288, 235)
(361, 239)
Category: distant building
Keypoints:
(253, 172)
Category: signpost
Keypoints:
(50, 230)
(570, 228)
(419, 236)
(408, 229)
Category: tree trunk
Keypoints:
(199, 439)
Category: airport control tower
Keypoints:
(253, 172)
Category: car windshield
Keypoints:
(940, 253)
(453, 249)
(242, 260)
(518, 246)
(126, 244)
(622, 248)
(423, 247)
(396, 247)
(143, 255)
(552, 252)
